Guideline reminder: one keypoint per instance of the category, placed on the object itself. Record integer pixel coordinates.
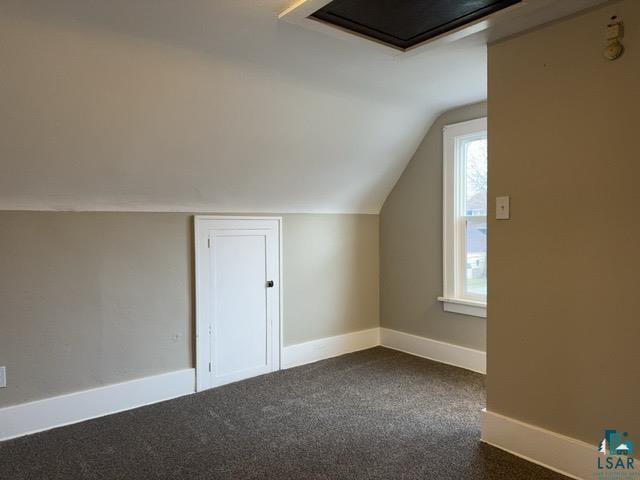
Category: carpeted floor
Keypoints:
(376, 414)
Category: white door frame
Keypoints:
(202, 341)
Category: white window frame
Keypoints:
(454, 221)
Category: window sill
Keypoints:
(465, 307)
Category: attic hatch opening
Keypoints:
(404, 24)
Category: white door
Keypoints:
(238, 298)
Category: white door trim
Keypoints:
(203, 347)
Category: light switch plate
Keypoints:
(3, 377)
(502, 208)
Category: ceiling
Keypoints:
(216, 105)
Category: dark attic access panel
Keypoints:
(406, 23)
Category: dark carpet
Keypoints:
(375, 414)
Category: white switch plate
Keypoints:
(502, 208)
(3, 377)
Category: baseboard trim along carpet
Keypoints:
(40, 415)
(565, 455)
(315, 350)
(32, 417)
(442, 352)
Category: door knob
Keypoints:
(269, 283)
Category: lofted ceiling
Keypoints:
(216, 105)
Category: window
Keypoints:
(465, 218)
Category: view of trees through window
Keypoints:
(475, 209)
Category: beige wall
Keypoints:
(411, 247)
(563, 272)
(89, 299)
(331, 276)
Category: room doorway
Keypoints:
(238, 298)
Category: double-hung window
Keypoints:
(465, 218)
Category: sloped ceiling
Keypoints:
(209, 106)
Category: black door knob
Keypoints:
(269, 283)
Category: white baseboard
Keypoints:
(565, 455)
(442, 352)
(32, 417)
(40, 415)
(315, 350)
(308, 352)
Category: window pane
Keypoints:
(475, 167)
(476, 257)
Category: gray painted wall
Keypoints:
(89, 299)
(563, 271)
(411, 247)
(331, 275)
